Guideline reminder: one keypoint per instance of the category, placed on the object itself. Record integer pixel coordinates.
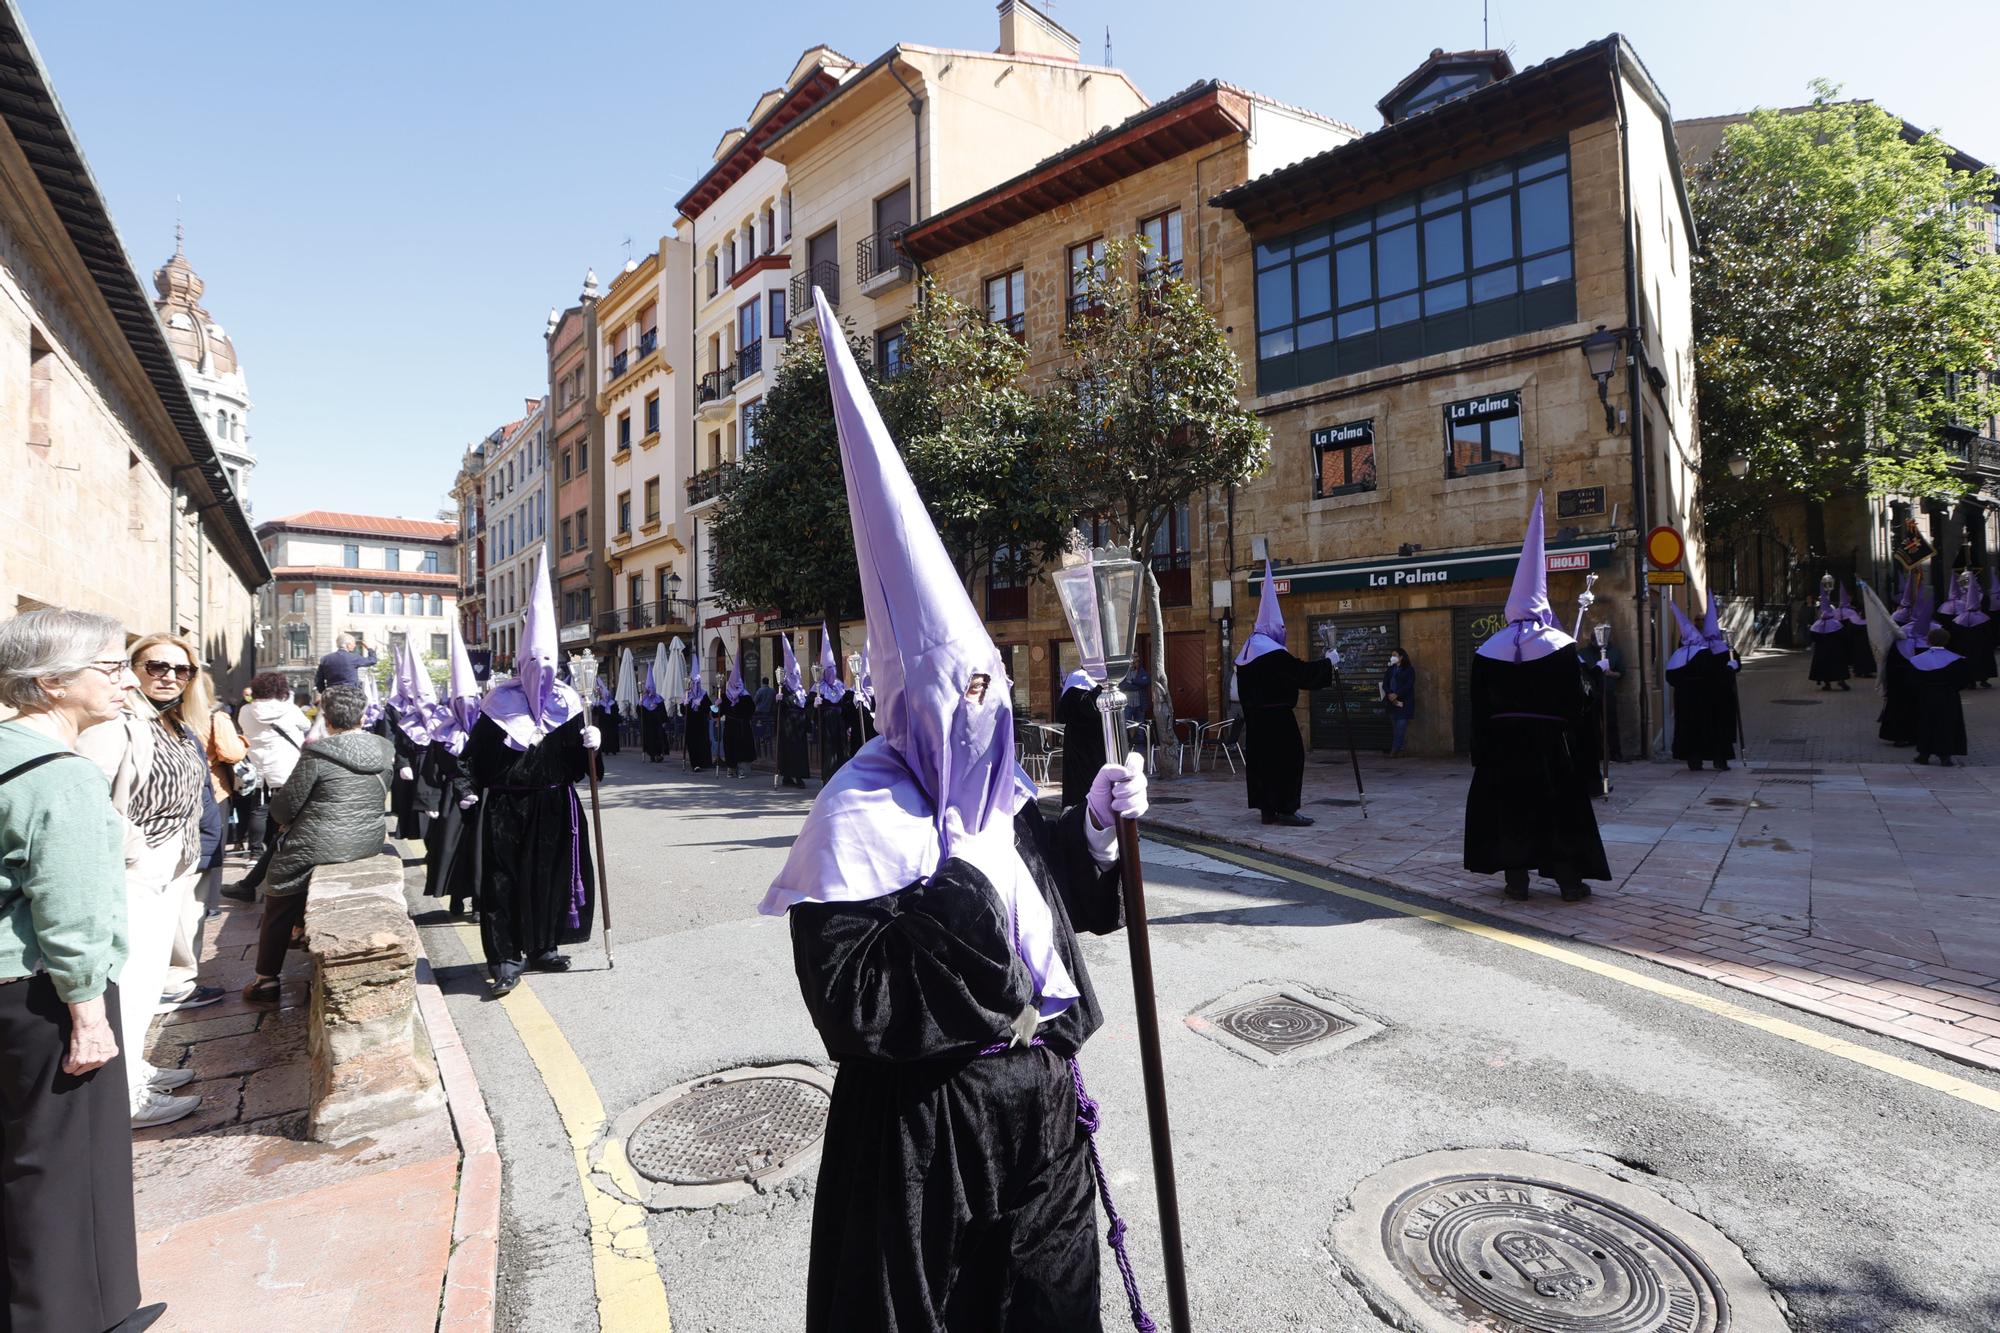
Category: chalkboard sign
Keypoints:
(1470, 627)
(1364, 642)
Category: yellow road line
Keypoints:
(1949, 1084)
(630, 1296)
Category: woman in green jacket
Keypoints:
(65, 1138)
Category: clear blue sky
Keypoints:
(386, 198)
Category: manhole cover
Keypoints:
(728, 1130)
(1799, 703)
(1514, 1253)
(1280, 1024)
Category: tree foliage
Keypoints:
(1846, 272)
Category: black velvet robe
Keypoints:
(739, 732)
(839, 729)
(448, 856)
(1860, 652)
(1940, 711)
(1975, 644)
(531, 840)
(605, 718)
(1704, 707)
(700, 748)
(794, 742)
(955, 1189)
(1274, 753)
(1083, 741)
(653, 737)
(1829, 655)
(1897, 722)
(1529, 806)
(408, 814)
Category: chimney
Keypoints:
(1027, 31)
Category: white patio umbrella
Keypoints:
(660, 678)
(673, 681)
(627, 693)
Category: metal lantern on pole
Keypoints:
(1601, 633)
(1099, 591)
(583, 673)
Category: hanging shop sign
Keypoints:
(1443, 568)
(1486, 407)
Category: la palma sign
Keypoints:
(1577, 555)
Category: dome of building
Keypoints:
(191, 331)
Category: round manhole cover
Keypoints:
(728, 1130)
(1278, 1024)
(1511, 1253)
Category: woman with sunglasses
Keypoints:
(159, 772)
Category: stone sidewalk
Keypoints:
(245, 1224)
(1866, 892)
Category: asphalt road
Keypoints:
(1865, 1198)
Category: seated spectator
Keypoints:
(331, 810)
(274, 730)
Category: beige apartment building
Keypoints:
(576, 523)
(1486, 298)
(737, 222)
(118, 500)
(383, 580)
(468, 497)
(645, 401)
(1024, 250)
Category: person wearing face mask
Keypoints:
(532, 744)
(934, 913)
(1399, 698)
(158, 768)
(71, 1256)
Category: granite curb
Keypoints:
(470, 1298)
(1680, 960)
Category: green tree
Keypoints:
(782, 538)
(1146, 414)
(1845, 287)
(970, 434)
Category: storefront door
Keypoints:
(1364, 642)
(1470, 627)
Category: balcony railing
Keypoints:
(618, 364)
(749, 360)
(1016, 324)
(824, 275)
(706, 485)
(716, 384)
(648, 341)
(1082, 308)
(880, 254)
(1978, 451)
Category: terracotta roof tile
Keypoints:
(327, 520)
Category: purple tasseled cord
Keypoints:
(1087, 1117)
(575, 861)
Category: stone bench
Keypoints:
(371, 1057)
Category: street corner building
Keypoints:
(1485, 298)
(123, 494)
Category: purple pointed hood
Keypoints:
(1905, 603)
(1689, 641)
(1268, 635)
(790, 680)
(1922, 620)
(1828, 622)
(1078, 679)
(649, 698)
(534, 701)
(1954, 599)
(461, 707)
(1711, 626)
(1847, 610)
(939, 782)
(371, 712)
(732, 688)
(1972, 613)
(1530, 631)
(831, 687)
(412, 695)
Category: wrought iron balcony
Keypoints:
(749, 360)
(706, 485)
(716, 385)
(881, 256)
(1980, 452)
(824, 275)
(1016, 324)
(618, 364)
(648, 341)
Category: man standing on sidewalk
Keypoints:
(1534, 745)
(344, 665)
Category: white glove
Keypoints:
(592, 738)
(1333, 657)
(405, 774)
(467, 801)
(1118, 792)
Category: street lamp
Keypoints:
(583, 674)
(1600, 352)
(1739, 466)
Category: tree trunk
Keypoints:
(1163, 698)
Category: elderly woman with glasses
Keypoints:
(158, 767)
(65, 1151)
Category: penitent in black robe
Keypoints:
(1534, 769)
(653, 737)
(1860, 652)
(955, 1189)
(794, 742)
(739, 731)
(448, 855)
(1704, 707)
(1829, 655)
(532, 863)
(408, 813)
(700, 748)
(605, 718)
(1897, 722)
(839, 728)
(1083, 741)
(1940, 711)
(1274, 754)
(1975, 644)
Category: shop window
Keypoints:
(1483, 435)
(1343, 459)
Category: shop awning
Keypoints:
(1429, 569)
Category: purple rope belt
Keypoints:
(575, 844)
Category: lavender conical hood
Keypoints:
(1828, 622)
(535, 700)
(1530, 631)
(462, 691)
(1970, 613)
(732, 688)
(831, 687)
(794, 684)
(1711, 626)
(1688, 640)
(1268, 634)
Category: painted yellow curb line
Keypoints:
(1949, 1084)
(630, 1296)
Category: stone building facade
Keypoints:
(468, 495)
(1424, 303)
(518, 497)
(118, 500)
(380, 579)
(1034, 238)
(576, 523)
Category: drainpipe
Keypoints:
(1635, 349)
(917, 146)
(173, 553)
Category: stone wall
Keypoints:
(371, 1056)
